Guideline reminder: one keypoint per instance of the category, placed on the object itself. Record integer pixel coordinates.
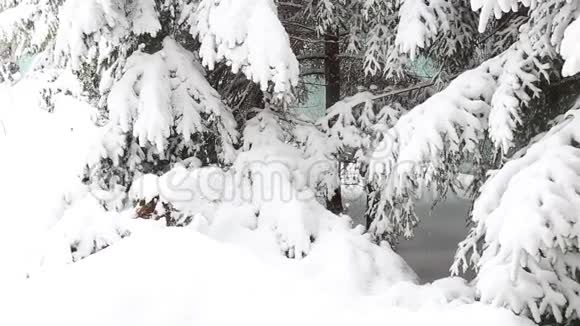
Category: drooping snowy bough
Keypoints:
(426, 147)
(140, 64)
(162, 110)
(513, 82)
(524, 243)
(250, 38)
(28, 25)
(132, 57)
(527, 219)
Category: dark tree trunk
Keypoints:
(332, 68)
(332, 77)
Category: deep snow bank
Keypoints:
(41, 156)
(170, 276)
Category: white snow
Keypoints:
(425, 147)
(93, 30)
(408, 160)
(226, 268)
(496, 8)
(570, 49)
(42, 154)
(255, 245)
(418, 26)
(526, 216)
(179, 277)
(148, 101)
(249, 37)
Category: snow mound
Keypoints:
(42, 155)
(175, 276)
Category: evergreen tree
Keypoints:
(523, 243)
(502, 98)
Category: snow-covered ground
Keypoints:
(179, 276)
(41, 154)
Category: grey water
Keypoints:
(431, 251)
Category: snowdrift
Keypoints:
(176, 276)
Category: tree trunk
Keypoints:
(332, 68)
(332, 77)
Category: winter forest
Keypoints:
(160, 163)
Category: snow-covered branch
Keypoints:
(526, 217)
(248, 36)
(425, 146)
(163, 108)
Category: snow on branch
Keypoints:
(27, 24)
(420, 22)
(164, 107)
(92, 29)
(340, 123)
(424, 149)
(166, 90)
(496, 8)
(553, 27)
(570, 49)
(248, 36)
(525, 238)
(12, 18)
(516, 86)
(425, 146)
(351, 123)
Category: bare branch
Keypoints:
(312, 72)
(312, 56)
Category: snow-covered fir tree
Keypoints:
(522, 244)
(160, 108)
(143, 64)
(487, 88)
